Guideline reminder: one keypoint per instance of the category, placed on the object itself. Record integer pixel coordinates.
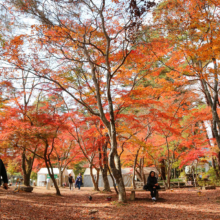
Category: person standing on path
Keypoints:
(78, 182)
(71, 181)
(3, 175)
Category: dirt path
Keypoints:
(44, 204)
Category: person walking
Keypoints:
(3, 175)
(152, 185)
(71, 181)
(78, 182)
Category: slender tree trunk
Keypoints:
(134, 168)
(214, 167)
(113, 180)
(26, 168)
(144, 178)
(133, 179)
(105, 179)
(27, 177)
(168, 176)
(212, 102)
(195, 173)
(169, 167)
(142, 170)
(50, 168)
(115, 165)
(104, 169)
(213, 160)
(163, 169)
(174, 173)
(51, 174)
(95, 181)
(60, 175)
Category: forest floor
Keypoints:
(44, 204)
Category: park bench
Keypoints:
(132, 196)
(177, 184)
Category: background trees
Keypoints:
(100, 84)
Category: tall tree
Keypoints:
(93, 42)
(192, 28)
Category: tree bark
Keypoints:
(51, 174)
(218, 160)
(113, 180)
(214, 167)
(104, 167)
(26, 168)
(27, 179)
(163, 169)
(95, 181)
(115, 165)
(50, 168)
(142, 170)
(105, 180)
(60, 176)
(134, 168)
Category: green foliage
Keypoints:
(12, 167)
(212, 175)
(78, 168)
(182, 175)
(176, 180)
(33, 175)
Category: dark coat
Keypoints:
(70, 179)
(3, 173)
(78, 180)
(151, 181)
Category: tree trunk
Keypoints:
(213, 160)
(105, 179)
(214, 167)
(51, 174)
(142, 170)
(133, 179)
(163, 169)
(104, 169)
(50, 168)
(196, 174)
(134, 168)
(27, 179)
(95, 181)
(174, 173)
(212, 102)
(60, 176)
(168, 177)
(218, 160)
(55, 185)
(115, 165)
(26, 168)
(113, 180)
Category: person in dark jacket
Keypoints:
(78, 181)
(3, 175)
(71, 181)
(152, 184)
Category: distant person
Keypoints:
(71, 181)
(152, 185)
(78, 182)
(3, 175)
